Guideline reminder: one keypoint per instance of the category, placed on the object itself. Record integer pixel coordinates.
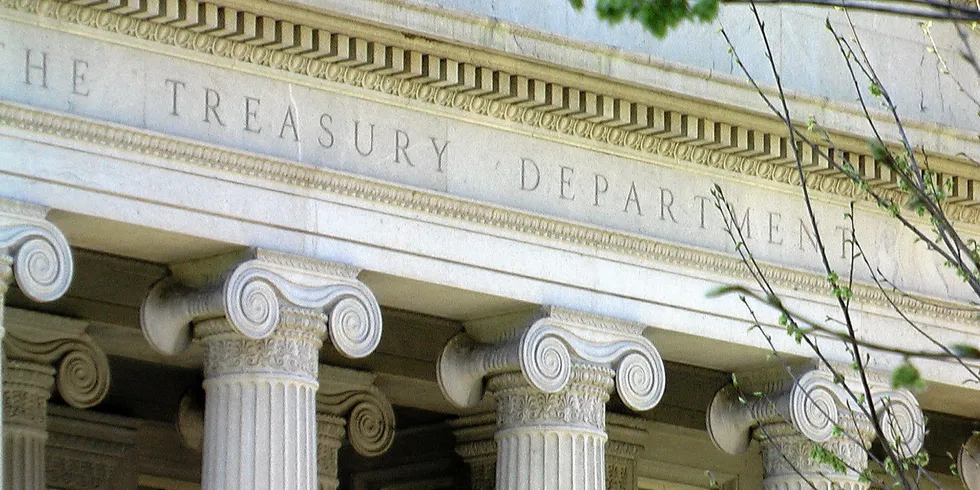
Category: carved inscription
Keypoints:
(394, 139)
(659, 204)
(44, 71)
(255, 116)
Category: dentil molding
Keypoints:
(544, 352)
(252, 291)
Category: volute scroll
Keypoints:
(544, 354)
(37, 251)
(251, 295)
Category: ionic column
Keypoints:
(261, 321)
(348, 399)
(34, 254)
(551, 376)
(790, 418)
(38, 348)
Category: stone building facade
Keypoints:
(315, 244)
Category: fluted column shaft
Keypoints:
(26, 390)
(552, 440)
(260, 412)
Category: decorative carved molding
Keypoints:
(639, 125)
(814, 404)
(543, 353)
(36, 250)
(968, 462)
(26, 390)
(351, 396)
(291, 350)
(253, 294)
(324, 180)
(788, 463)
(552, 440)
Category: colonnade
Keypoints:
(274, 418)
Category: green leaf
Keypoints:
(879, 152)
(723, 290)
(965, 351)
(907, 376)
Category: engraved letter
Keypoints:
(524, 174)
(745, 225)
(211, 107)
(805, 231)
(701, 201)
(43, 67)
(440, 152)
(251, 113)
(78, 77)
(601, 186)
(175, 84)
(566, 183)
(632, 197)
(289, 120)
(845, 238)
(357, 139)
(400, 148)
(774, 228)
(323, 126)
(666, 201)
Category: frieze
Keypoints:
(345, 58)
(638, 248)
(455, 98)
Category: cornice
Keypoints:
(635, 249)
(641, 126)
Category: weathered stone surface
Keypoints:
(301, 119)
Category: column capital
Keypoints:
(34, 250)
(351, 395)
(251, 289)
(81, 367)
(543, 346)
(816, 404)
